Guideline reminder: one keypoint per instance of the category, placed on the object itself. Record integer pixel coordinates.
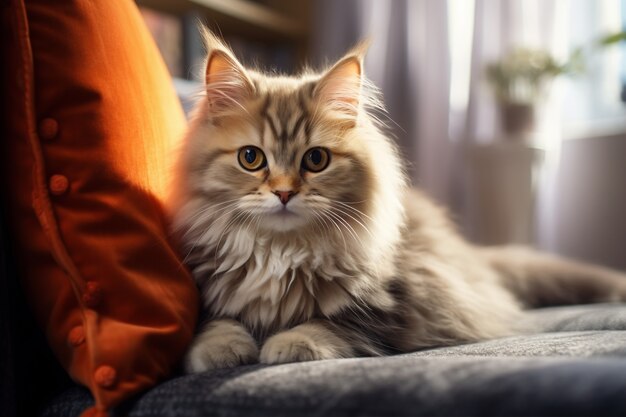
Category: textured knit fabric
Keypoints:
(574, 365)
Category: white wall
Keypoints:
(588, 213)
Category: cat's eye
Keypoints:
(251, 158)
(316, 159)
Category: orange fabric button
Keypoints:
(105, 376)
(48, 128)
(76, 336)
(92, 294)
(59, 184)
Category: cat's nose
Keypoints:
(284, 196)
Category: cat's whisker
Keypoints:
(361, 216)
(360, 213)
(209, 208)
(323, 224)
(333, 222)
(249, 219)
(219, 204)
(341, 222)
(204, 233)
(204, 219)
(213, 224)
(347, 225)
(348, 206)
(353, 233)
(356, 220)
(226, 229)
(350, 202)
(326, 213)
(368, 231)
(257, 221)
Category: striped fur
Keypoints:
(355, 263)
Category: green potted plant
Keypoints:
(520, 80)
(613, 39)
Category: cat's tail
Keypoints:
(540, 280)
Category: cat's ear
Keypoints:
(227, 83)
(340, 87)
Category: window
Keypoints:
(592, 102)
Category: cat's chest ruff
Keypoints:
(274, 283)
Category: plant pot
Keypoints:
(518, 119)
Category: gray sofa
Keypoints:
(574, 365)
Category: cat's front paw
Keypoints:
(222, 344)
(294, 346)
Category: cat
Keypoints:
(307, 242)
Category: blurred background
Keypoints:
(512, 113)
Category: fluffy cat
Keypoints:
(307, 243)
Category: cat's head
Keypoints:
(287, 154)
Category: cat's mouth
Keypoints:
(284, 211)
(283, 219)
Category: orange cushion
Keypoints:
(92, 121)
